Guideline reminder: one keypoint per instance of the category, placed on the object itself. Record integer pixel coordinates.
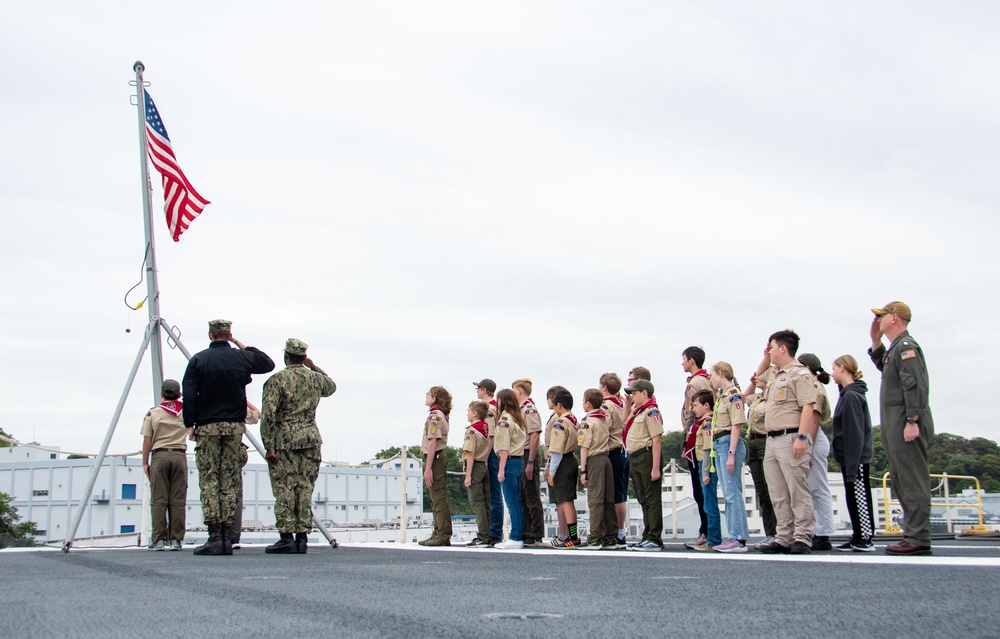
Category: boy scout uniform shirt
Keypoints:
(532, 420)
(703, 438)
(728, 412)
(476, 443)
(616, 424)
(757, 408)
(695, 384)
(788, 390)
(564, 435)
(822, 403)
(166, 429)
(436, 427)
(509, 437)
(491, 418)
(648, 423)
(594, 433)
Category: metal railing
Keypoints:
(894, 529)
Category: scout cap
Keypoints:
(894, 308)
(810, 360)
(488, 384)
(295, 346)
(641, 384)
(170, 386)
(219, 326)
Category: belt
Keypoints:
(779, 433)
(641, 451)
(716, 436)
(168, 450)
(605, 453)
(753, 436)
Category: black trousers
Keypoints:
(859, 504)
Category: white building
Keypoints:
(47, 490)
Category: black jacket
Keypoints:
(215, 383)
(852, 429)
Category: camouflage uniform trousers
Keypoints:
(236, 525)
(293, 477)
(217, 456)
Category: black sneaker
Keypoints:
(847, 546)
(774, 548)
(863, 546)
(800, 548)
(477, 543)
(821, 542)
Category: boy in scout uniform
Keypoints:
(475, 450)
(484, 391)
(790, 397)
(165, 438)
(432, 446)
(692, 360)
(531, 498)
(563, 472)
(561, 528)
(596, 474)
(614, 406)
(643, 431)
(907, 424)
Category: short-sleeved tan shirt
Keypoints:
(532, 420)
(757, 408)
(616, 425)
(788, 390)
(822, 404)
(594, 433)
(509, 437)
(648, 423)
(695, 384)
(476, 443)
(436, 427)
(703, 438)
(564, 438)
(729, 411)
(548, 430)
(166, 429)
(492, 414)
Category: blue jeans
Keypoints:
(512, 496)
(710, 493)
(732, 486)
(496, 497)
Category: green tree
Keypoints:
(458, 497)
(4, 443)
(672, 447)
(11, 526)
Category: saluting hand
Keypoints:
(876, 330)
(308, 363)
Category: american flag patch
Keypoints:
(910, 354)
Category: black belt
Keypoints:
(779, 433)
(753, 436)
(641, 451)
(168, 450)
(716, 436)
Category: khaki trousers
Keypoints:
(601, 500)
(479, 499)
(168, 494)
(788, 487)
(439, 497)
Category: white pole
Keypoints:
(673, 493)
(404, 461)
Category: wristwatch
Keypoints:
(910, 420)
(802, 437)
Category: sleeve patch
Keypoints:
(910, 354)
(558, 426)
(653, 412)
(735, 398)
(738, 406)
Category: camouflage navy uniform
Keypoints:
(288, 427)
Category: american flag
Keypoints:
(181, 202)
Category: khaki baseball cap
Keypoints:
(894, 308)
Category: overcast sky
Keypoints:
(433, 193)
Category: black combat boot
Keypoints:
(227, 542)
(214, 544)
(284, 546)
(301, 541)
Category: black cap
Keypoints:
(488, 384)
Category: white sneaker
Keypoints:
(510, 545)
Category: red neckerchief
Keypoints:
(528, 401)
(635, 413)
(479, 427)
(493, 403)
(597, 413)
(689, 442)
(616, 400)
(700, 372)
(436, 408)
(172, 406)
(570, 417)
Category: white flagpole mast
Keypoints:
(152, 285)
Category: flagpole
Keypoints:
(152, 285)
